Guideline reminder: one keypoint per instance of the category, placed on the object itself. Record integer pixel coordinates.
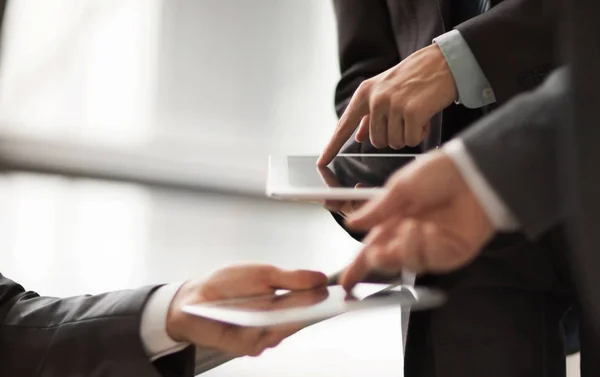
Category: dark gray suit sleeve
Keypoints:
(515, 148)
(79, 336)
(515, 44)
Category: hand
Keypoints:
(229, 283)
(394, 108)
(341, 207)
(284, 301)
(427, 221)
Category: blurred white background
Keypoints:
(240, 79)
(225, 81)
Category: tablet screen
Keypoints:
(313, 305)
(345, 171)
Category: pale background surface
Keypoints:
(190, 76)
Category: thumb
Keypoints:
(389, 204)
(296, 280)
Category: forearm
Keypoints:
(78, 335)
(473, 88)
(156, 340)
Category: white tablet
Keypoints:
(307, 307)
(347, 177)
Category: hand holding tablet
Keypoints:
(349, 177)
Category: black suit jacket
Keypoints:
(513, 43)
(79, 336)
(581, 157)
(563, 179)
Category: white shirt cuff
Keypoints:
(153, 328)
(493, 206)
(474, 89)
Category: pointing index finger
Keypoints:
(346, 126)
(328, 176)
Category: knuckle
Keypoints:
(380, 100)
(259, 348)
(377, 142)
(273, 341)
(267, 272)
(412, 140)
(395, 145)
(413, 143)
(397, 106)
(267, 269)
(364, 88)
(411, 111)
(251, 338)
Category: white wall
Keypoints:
(258, 75)
(81, 68)
(191, 76)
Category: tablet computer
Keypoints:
(347, 177)
(314, 305)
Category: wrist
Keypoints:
(472, 86)
(449, 88)
(177, 320)
(153, 322)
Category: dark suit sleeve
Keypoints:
(366, 45)
(515, 44)
(79, 336)
(515, 149)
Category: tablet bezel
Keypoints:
(279, 188)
